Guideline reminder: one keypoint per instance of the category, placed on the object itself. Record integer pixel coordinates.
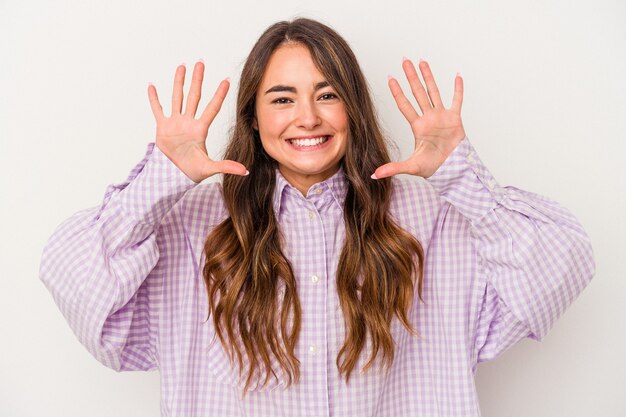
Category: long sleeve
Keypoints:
(100, 264)
(533, 256)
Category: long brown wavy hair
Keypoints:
(252, 290)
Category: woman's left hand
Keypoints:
(437, 131)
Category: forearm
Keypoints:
(536, 255)
(96, 260)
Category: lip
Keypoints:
(309, 136)
(309, 148)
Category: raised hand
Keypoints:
(181, 137)
(437, 131)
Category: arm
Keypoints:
(100, 263)
(533, 256)
(104, 265)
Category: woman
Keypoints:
(310, 282)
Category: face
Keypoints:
(302, 122)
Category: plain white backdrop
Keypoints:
(545, 106)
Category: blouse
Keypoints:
(501, 264)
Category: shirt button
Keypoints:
(313, 348)
(318, 191)
(491, 184)
(311, 214)
(314, 279)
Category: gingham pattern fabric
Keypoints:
(501, 264)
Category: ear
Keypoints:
(255, 124)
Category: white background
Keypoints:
(544, 106)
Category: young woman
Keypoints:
(309, 282)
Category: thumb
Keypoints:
(390, 169)
(228, 167)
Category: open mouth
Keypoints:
(310, 142)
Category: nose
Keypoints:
(307, 116)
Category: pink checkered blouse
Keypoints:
(501, 264)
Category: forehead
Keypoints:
(291, 64)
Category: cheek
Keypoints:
(338, 118)
(272, 123)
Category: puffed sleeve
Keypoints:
(532, 257)
(105, 265)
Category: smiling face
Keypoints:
(302, 122)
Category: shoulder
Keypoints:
(415, 205)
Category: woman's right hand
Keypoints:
(181, 137)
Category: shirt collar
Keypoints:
(337, 185)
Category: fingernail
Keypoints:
(422, 60)
(389, 78)
(458, 74)
(183, 64)
(373, 176)
(404, 59)
(149, 84)
(201, 60)
(247, 172)
(227, 79)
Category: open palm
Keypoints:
(437, 131)
(181, 137)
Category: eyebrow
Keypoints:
(280, 88)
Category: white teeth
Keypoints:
(309, 142)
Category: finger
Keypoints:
(177, 94)
(195, 91)
(405, 106)
(215, 104)
(431, 86)
(416, 85)
(393, 168)
(227, 167)
(457, 99)
(157, 110)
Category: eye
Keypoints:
(281, 100)
(329, 96)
